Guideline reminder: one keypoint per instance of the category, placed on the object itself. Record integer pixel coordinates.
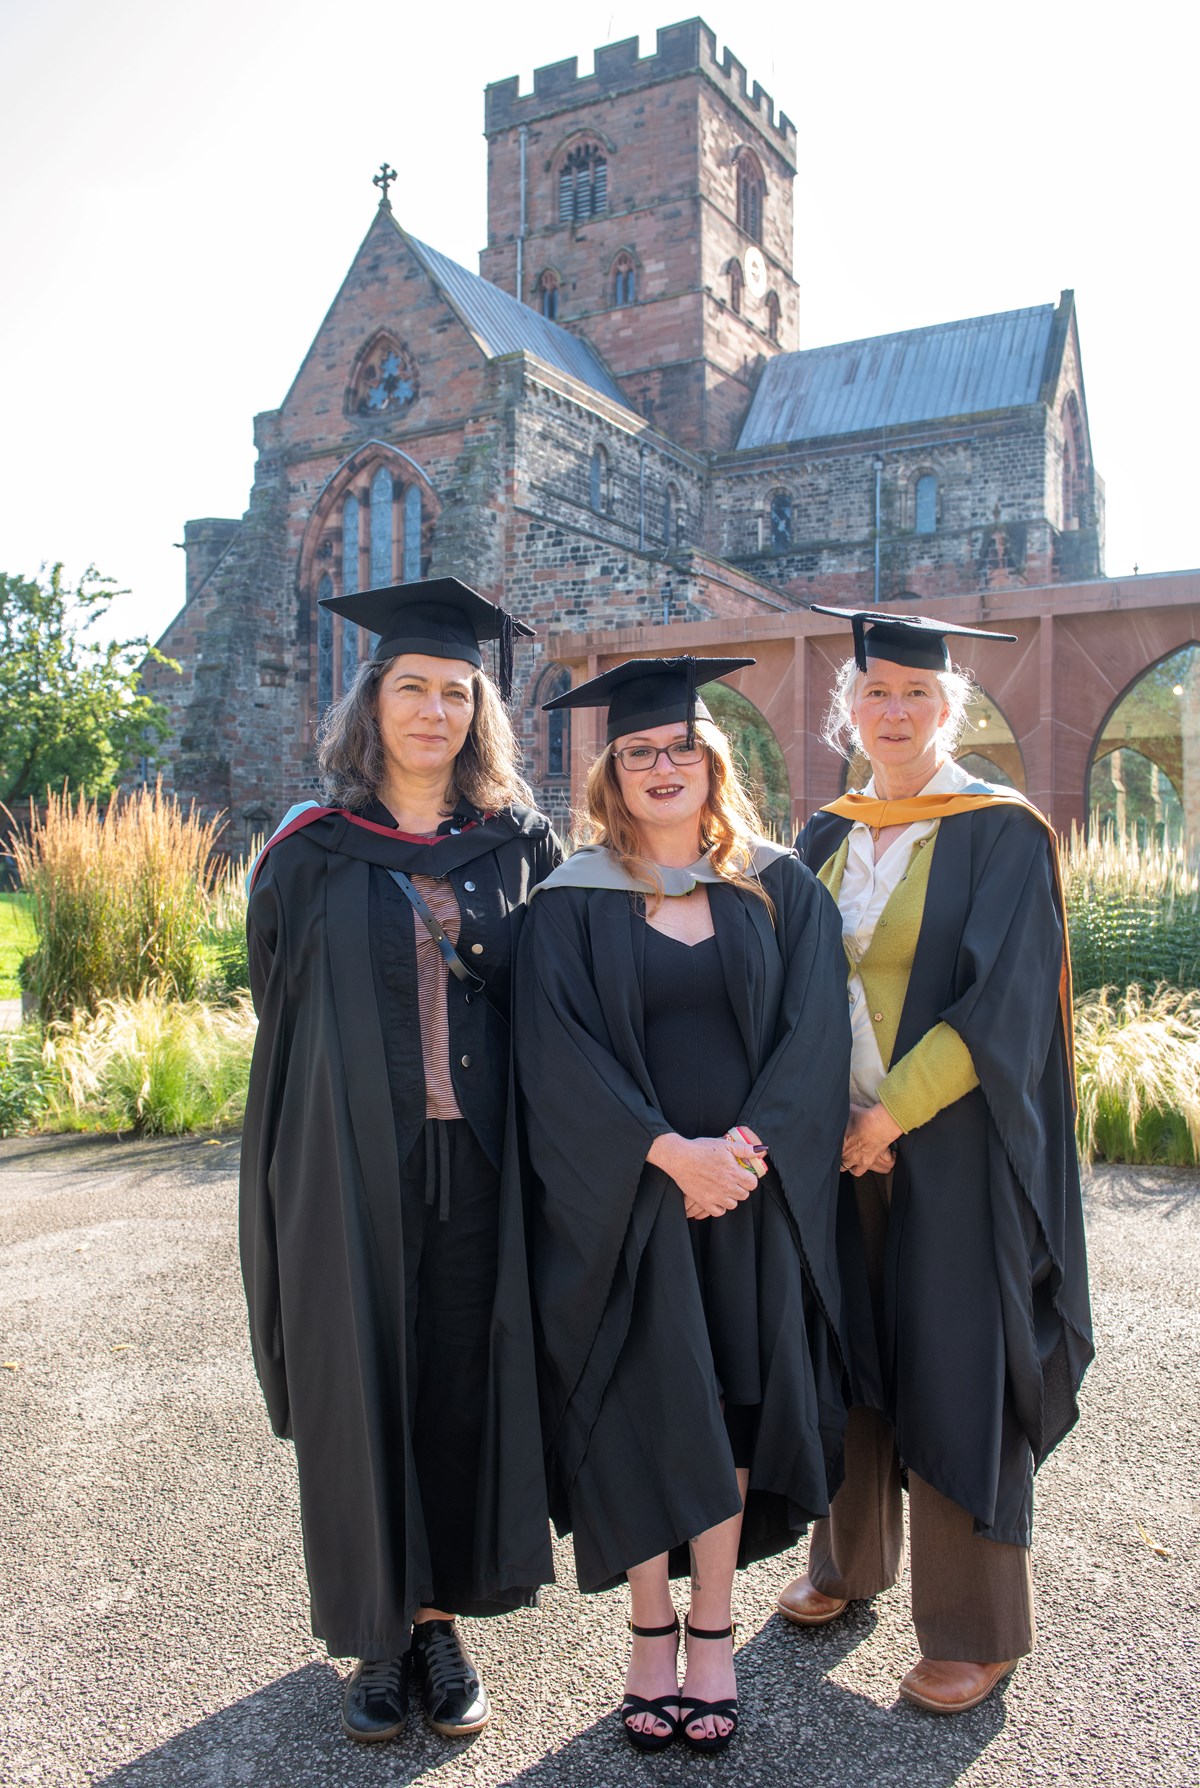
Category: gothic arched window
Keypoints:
(624, 280)
(324, 647)
(772, 316)
(926, 504)
(548, 294)
(381, 529)
(583, 184)
(598, 479)
(750, 189)
(781, 521)
(412, 534)
(557, 756)
(735, 287)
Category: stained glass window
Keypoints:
(412, 534)
(926, 522)
(350, 546)
(324, 648)
(381, 529)
(388, 381)
(349, 652)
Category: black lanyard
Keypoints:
(437, 932)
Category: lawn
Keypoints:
(17, 938)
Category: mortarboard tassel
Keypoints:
(691, 702)
(505, 655)
(860, 642)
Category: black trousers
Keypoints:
(449, 1207)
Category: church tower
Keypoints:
(648, 207)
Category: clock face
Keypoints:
(756, 272)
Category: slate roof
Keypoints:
(918, 375)
(501, 324)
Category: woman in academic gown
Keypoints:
(381, 1237)
(678, 977)
(960, 1231)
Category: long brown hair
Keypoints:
(486, 772)
(729, 823)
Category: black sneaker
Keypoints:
(375, 1705)
(454, 1699)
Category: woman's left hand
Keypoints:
(869, 1135)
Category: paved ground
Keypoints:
(152, 1602)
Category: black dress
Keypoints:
(652, 1330)
(697, 1060)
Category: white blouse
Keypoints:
(866, 888)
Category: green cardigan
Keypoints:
(937, 1070)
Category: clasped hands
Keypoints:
(706, 1170)
(867, 1144)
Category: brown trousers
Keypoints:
(972, 1598)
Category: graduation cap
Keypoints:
(913, 640)
(440, 617)
(646, 692)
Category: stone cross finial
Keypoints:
(386, 176)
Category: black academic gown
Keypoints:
(987, 1326)
(320, 1224)
(637, 1456)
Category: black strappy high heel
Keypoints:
(656, 1705)
(691, 1710)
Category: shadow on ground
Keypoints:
(798, 1726)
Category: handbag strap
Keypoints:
(437, 932)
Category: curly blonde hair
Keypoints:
(486, 772)
(729, 823)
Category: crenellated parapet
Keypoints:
(690, 47)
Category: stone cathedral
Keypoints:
(613, 425)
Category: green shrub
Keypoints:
(1133, 911)
(23, 1078)
(120, 901)
(1137, 1066)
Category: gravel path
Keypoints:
(152, 1600)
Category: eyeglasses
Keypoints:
(645, 757)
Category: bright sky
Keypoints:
(186, 186)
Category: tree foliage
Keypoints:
(72, 709)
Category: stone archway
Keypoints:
(758, 755)
(1144, 769)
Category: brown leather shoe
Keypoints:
(806, 1606)
(946, 1686)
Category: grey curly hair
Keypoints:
(841, 734)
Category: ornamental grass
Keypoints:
(1133, 911)
(127, 900)
(149, 1066)
(1137, 1065)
